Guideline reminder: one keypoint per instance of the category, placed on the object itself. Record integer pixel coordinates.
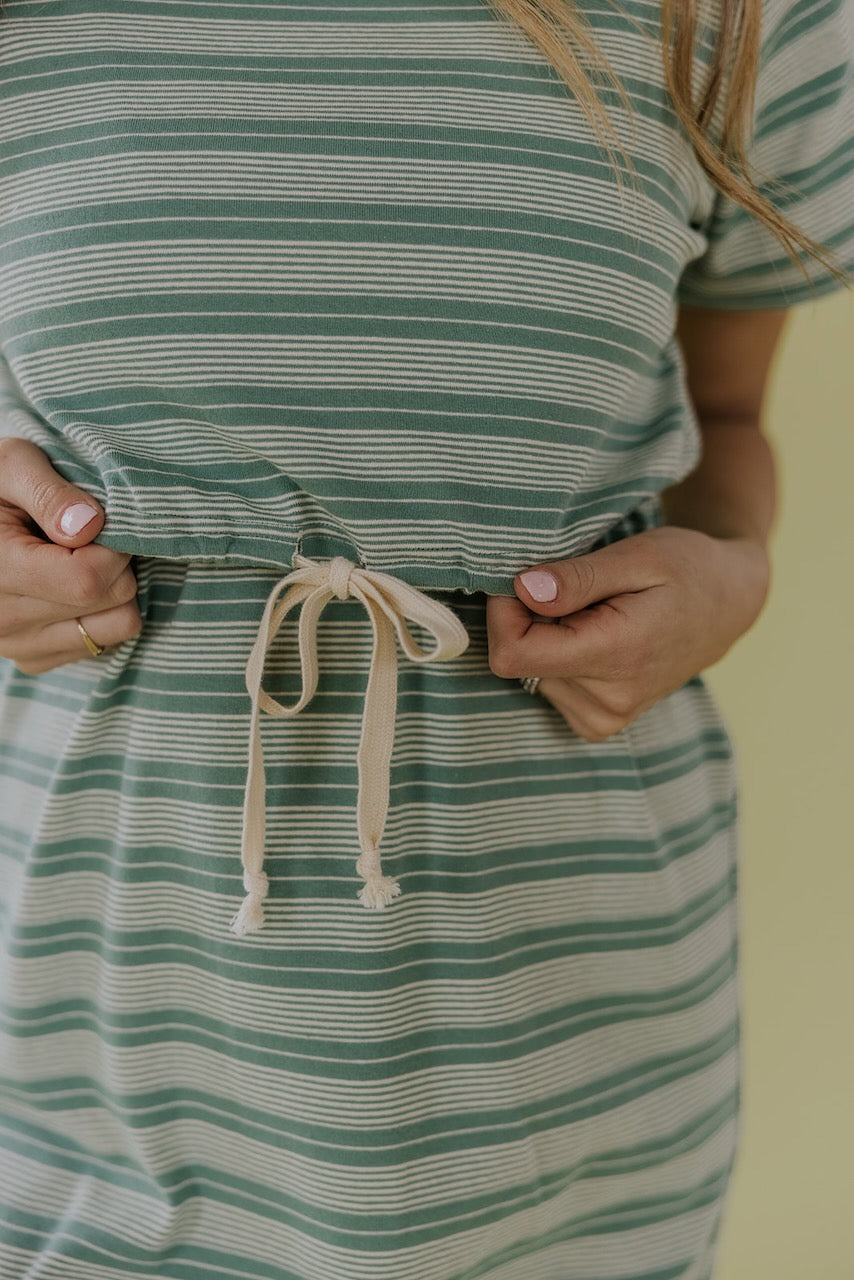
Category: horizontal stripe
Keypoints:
(360, 280)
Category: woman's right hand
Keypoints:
(49, 577)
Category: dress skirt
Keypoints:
(525, 1068)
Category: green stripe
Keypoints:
(359, 281)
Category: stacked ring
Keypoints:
(530, 683)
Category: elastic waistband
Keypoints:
(422, 555)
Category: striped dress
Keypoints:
(348, 288)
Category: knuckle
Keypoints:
(85, 587)
(605, 727)
(47, 494)
(585, 575)
(124, 588)
(129, 621)
(619, 701)
(503, 661)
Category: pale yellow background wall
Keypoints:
(787, 691)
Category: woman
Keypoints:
(361, 306)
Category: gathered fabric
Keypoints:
(389, 603)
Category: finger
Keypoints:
(604, 641)
(107, 630)
(565, 586)
(583, 712)
(86, 579)
(30, 614)
(62, 643)
(65, 514)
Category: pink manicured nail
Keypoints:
(541, 585)
(76, 518)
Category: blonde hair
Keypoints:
(561, 33)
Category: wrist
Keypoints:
(745, 575)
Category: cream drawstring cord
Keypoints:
(389, 603)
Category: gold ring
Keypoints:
(95, 649)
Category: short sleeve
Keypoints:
(804, 138)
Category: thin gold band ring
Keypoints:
(95, 649)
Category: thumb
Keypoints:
(64, 513)
(566, 586)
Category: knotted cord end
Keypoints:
(378, 890)
(250, 917)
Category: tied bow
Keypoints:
(389, 603)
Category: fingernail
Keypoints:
(75, 518)
(541, 585)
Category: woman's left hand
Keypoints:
(628, 624)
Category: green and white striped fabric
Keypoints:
(355, 279)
